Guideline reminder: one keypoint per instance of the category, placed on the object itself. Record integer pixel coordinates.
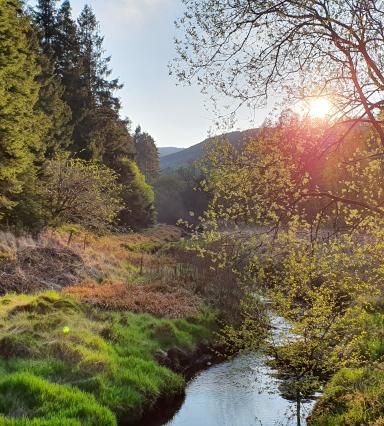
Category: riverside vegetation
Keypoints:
(297, 213)
(87, 355)
(288, 222)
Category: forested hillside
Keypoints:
(62, 126)
(178, 191)
(189, 155)
(163, 151)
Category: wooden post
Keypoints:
(70, 237)
(141, 264)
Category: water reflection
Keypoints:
(240, 392)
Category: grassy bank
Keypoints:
(67, 361)
(85, 355)
(355, 396)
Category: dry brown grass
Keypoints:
(109, 258)
(158, 299)
(61, 258)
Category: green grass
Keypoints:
(149, 248)
(57, 346)
(355, 396)
(27, 398)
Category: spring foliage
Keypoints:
(79, 192)
(313, 250)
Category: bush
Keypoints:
(353, 397)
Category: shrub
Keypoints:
(138, 197)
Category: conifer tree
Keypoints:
(59, 128)
(45, 18)
(147, 155)
(67, 46)
(58, 114)
(21, 123)
(109, 137)
(94, 95)
(95, 65)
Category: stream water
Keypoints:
(241, 392)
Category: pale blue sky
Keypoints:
(139, 37)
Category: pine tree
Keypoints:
(67, 46)
(45, 18)
(59, 130)
(109, 137)
(93, 97)
(147, 155)
(95, 66)
(51, 102)
(20, 121)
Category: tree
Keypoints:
(58, 136)
(147, 155)
(178, 196)
(79, 192)
(95, 66)
(57, 111)
(68, 65)
(21, 123)
(67, 47)
(45, 17)
(249, 49)
(92, 95)
(109, 137)
(137, 195)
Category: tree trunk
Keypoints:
(298, 410)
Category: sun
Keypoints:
(319, 107)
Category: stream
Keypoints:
(240, 392)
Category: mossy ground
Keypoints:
(66, 363)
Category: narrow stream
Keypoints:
(239, 392)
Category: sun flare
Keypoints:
(319, 108)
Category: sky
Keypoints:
(139, 37)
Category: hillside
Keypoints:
(168, 150)
(193, 153)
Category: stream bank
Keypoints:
(242, 391)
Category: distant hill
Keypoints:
(193, 153)
(163, 151)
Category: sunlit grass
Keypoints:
(51, 342)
